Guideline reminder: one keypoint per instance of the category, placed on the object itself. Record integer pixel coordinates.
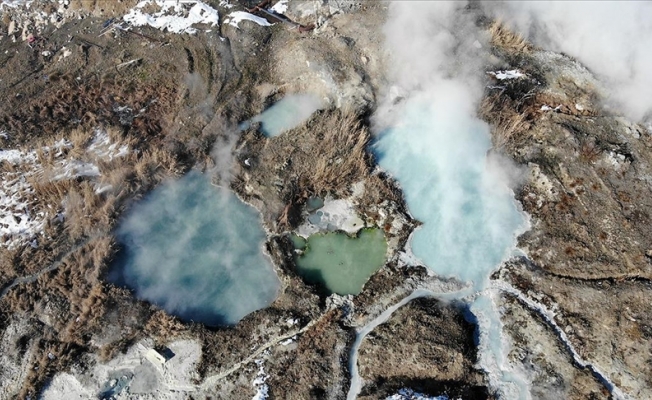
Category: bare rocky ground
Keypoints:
(177, 106)
(436, 353)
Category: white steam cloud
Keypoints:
(612, 38)
(435, 145)
(432, 142)
(196, 251)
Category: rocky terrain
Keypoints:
(79, 83)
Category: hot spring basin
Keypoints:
(340, 263)
(197, 252)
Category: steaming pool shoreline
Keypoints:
(196, 251)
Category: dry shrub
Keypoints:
(6, 19)
(80, 139)
(324, 156)
(334, 160)
(507, 123)
(345, 160)
(69, 105)
(164, 327)
(154, 166)
(49, 357)
(590, 152)
(8, 262)
(78, 281)
(504, 38)
(50, 192)
(87, 212)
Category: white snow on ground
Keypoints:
(67, 385)
(103, 148)
(281, 7)
(262, 389)
(236, 17)
(512, 74)
(546, 107)
(288, 341)
(334, 215)
(177, 16)
(616, 160)
(19, 223)
(409, 394)
(15, 3)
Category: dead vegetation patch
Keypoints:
(506, 39)
(141, 110)
(325, 156)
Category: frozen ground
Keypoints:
(173, 16)
(20, 220)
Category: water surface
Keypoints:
(197, 252)
(340, 263)
(470, 218)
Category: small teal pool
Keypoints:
(197, 252)
(340, 263)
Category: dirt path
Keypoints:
(212, 380)
(56, 264)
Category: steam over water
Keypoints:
(470, 217)
(431, 140)
(196, 251)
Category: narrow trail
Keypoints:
(56, 264)
(213, 379)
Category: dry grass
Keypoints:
(504, 38)
(86, 106)
(508, 124)
(164, 327)
(330, 161)
(343, 158)
(76, 286)
(324, 156)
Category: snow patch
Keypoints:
(20, 217)
(281, 7)
(409, 394)
(174, 16)
(546, 107)
(262, 389)
(511, 74)
(616, 160)
(236, 17)
(288, 341)
(15, 3)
